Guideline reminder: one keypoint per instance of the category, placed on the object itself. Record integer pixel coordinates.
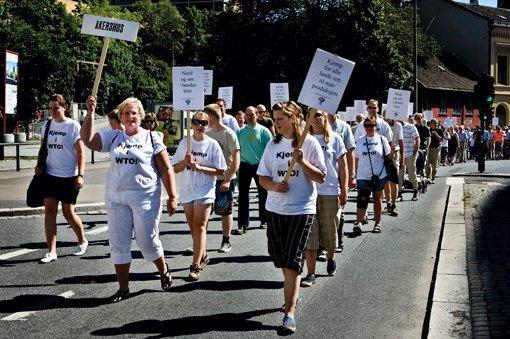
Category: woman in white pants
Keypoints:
(133, 189)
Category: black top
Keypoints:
(424, 133)
(266, 123)
(434, 143)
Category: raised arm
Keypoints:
(90, 138)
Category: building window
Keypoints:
(502, 70)
(457, 108)
(469, 106)
(442, 105)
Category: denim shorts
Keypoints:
(362, 183)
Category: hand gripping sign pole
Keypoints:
(107, 28)
(323, 89)
(188, 94)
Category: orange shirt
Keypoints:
(498, 136)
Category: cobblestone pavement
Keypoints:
(487, 210)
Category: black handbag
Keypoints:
(35, 191)
(391, 168)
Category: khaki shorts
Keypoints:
(327, 220)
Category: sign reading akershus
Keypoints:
(109, 27)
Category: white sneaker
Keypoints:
(80, 249)
(49, 257)
(189, 250)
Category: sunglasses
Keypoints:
(368, 126)
(318, 115)
(149, 122)
(197, 122)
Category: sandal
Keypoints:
(166, 279)
(204, 261)
(377, 228)
(119, 296)
(357, 229)
(194, 272)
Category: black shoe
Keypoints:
(166, 280)
(393, 211)
(357, 229)
(415, 196)
(331, 267)
(119, 296)
(240, 231)
(339, 249)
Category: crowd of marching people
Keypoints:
(302, 182)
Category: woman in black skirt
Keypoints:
(291, 206)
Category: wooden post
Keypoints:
(188, 131)
(309, 118)
(99, 70)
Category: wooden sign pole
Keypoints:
(99, 70)
(188, 131)
(309, 118)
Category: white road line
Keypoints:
(16, 253)
(454, 181)
(98, 230)
(22, 316)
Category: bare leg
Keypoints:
(226, 224)
(50, 223)
(122, 271)
(200, 217)
(311, 258)
(377, 206)
(291, 282)
(161, 265)
(74, 221)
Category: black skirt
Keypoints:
(286, 239)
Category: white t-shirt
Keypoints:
(396, 129)
(230, 122)
(194, 185)
(302, 194)
(375, 147)
(410, 133)
(132, 164)
(62, 161)
(382, 128)
(332, 152)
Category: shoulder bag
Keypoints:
(36, 188)
(391, 168)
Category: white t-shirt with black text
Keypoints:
(333, 150)
(62, 161)
(194, 185)
(382, 128)
(132, 164)
(375, 152)
(302, 194)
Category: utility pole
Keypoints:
(415, 49)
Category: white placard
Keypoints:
(325, 82)
(11, 82)
(398, 104)
(188, 88)
(384, 107)
(360, 106)
(495, 121)
(227, 94)
(109, 27)
(342, 115)
(279, 92)
(454, 120)
(448, 122)
(428, 115)
(350, 114)
(411, 109)
(208, 81)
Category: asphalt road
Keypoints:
(381, 288)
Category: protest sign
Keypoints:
(360, 106)
(448, 122)
(227, 94)
(341, 115)
(208, 81)
(325, 82)
(279, 92)
(397, 104)
(188, 88)
(495, 121)
(350, 114)
(383, 109)
(411, 109)
(107, 28)
(428, 115)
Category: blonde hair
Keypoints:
(327, 127)
(200, 114)
(132, 101)
(213, 110)
(292, 110)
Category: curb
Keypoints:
(26, 211)
(450, 314)
(482, 175)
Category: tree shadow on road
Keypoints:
(193, 325)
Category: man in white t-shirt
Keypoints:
(411, 142)
(226, 183)
(227, 119)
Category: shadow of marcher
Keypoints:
(193, 325)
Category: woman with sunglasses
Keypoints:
(197, 184)
(151, 123)
(290, 206)
(370, 151)
(332, 194)
(133, 189)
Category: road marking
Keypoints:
(22, 316)
(16, 253)
(492, 183)
(454, 181)
(98, 230)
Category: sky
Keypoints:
(492, 3)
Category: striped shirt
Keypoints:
(410, 133)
